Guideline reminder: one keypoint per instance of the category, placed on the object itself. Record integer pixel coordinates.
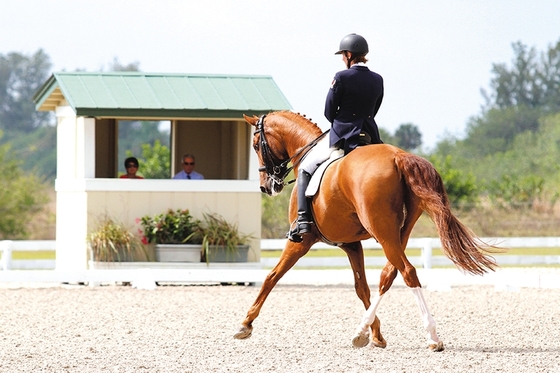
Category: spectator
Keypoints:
(131, 166)
(188, 169)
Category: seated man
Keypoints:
(188, 169)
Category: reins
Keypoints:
(278, 173)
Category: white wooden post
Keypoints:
(6, 247)
(427, 252)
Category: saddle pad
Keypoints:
(318, 174)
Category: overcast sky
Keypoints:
(434, 55)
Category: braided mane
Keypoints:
(305, 128)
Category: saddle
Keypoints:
(318, 174)
(364, 139)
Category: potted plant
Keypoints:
(222, 241)
(111, 241)
(176, 235)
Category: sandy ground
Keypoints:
(73, 328)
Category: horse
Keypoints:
(376, 191)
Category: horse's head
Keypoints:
(271, 166)
(278, 140)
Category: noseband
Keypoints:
(278, 173)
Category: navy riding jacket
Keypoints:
(352, 102)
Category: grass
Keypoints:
(327, 253)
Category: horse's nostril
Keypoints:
(263, 189)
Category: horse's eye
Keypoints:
(256, 147)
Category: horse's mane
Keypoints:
(305, 126)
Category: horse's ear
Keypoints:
(251, 120)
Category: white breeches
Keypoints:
(317, 155)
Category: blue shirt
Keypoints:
(193, 176)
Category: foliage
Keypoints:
(274, 214)
(495, 130)
(110, 241)
(155, 162)
(408, 137)
(20, 77)
(516, 192)
(217, 231)
(171, 227)
(21, 197)
(37, 149)
(530, 81)
(134, 136)
(386, 136)
(460, 187)
(31, 133)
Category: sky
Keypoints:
(435, 55)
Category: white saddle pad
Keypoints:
(318, 174)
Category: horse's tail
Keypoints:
(459, 243)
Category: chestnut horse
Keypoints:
(376, 191)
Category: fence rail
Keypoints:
(426, 259)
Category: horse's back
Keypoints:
(368, 164)
(366, 181)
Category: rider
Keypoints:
(353, 100)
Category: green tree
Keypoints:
(386, 136)
(408, 137)
(20, 77)
(155, 162)
(460, 186)
(133, 135)
(530, 81)
(21, 196)
(275, 222)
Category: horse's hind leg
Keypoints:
(291, 254)
(356, 257)
(408, 272)
(398, 261)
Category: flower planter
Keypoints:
(178, 253)
(220, 254)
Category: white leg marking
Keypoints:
(369, 315)
(429, 322)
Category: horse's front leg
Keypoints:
(291, 254)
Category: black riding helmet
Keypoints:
(354, 43)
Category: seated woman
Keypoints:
(131, 165)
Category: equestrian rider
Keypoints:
(353, 100)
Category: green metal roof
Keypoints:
(150, 95)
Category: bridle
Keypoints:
(278, 173)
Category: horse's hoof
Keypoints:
(243, 333)
(436, 347)
(361, 340)
(379, 343)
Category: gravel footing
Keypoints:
(75, 328)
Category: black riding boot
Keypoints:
(304, 219)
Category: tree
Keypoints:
(155, 162)
(460, 186)
(532, 81)
(21, 196)
(408, 137)
(386, 136)
(20, 78)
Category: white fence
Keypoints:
(426, 260)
